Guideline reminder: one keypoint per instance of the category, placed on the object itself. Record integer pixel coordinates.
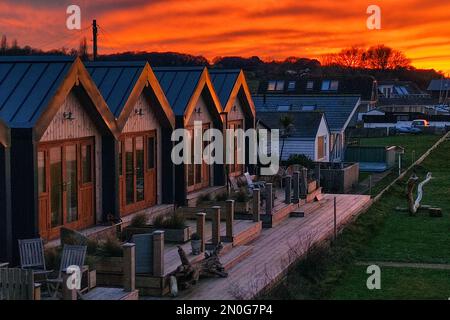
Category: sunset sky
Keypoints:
(271, 29)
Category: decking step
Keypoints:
(246, 232)
(103, 293)
(235, 256)
(312, 196)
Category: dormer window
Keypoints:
(330, 85)
(275, 85)
(291, 85)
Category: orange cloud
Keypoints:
(270, 29)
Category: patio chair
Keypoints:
(253, 184)
(71, 256)
(31, 253)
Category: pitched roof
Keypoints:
(439, 84)
(179, 84)
(115, 80)
(338, 109)
(224, 81)
(354, 85)
(305, 124)
(27, 84)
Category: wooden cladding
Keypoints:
(66, 185)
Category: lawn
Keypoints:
(384, 234)
(396, 283)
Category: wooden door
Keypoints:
(137, 171)
(235, 169)
(198, 175)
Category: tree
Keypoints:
(287, 125)
(83, 50)
(3, 44)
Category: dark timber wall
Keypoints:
(5, 206)
(24, 199)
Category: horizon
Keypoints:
(267, 29)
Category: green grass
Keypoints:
(396, 283)
(384, 234)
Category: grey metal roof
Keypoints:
(27, 84)
(224, 81)
(337, 109)
(178, 84)
(115, 80)
(439, 84)
(305, 124)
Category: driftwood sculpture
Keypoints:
(414, 205)
(188, 274)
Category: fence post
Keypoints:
(229, 219)
(335, 219)
(318, 174)
(201, 220)
(158, 253)
(256, 202)
(287, 189)
(269, 198)
(129, 267)
(304, 183)
(296, 182)
(216, 225)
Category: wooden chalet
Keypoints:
(55, 125)
(235, 97)
(192, 97)
(144, 171)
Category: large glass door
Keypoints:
(65, 187)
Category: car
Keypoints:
(404, 128)
(420, 123)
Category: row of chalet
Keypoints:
(81, 144)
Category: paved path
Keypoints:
(394, 264)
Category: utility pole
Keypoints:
(94, 39)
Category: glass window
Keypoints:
(334, 85)
(280, 86)
(151, 153)
(86, 163)
(71, 185)
(271, 86)
(309, 85)
(291, 85)
(42, 179)
(56, 186)
(140, 168)
(129, 171)
(120, 159)
(325, 85)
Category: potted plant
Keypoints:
(174, 227)
(196, 243)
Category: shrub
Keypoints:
(222, 197)
(242, 195)
(52, 258)
(139, 220)
(300, 159)
(195, 236)
(175, 221)
(206, 197)
(111, 247)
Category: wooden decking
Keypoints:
(278, 248)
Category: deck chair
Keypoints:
(71, 256)
(253, 184)
(31, 253)
(18, 284)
